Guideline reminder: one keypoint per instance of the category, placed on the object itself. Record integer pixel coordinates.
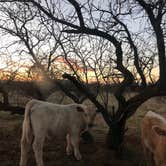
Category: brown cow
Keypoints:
(153, 133)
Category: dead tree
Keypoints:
(115, 32)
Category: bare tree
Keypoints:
(155, 11)
(108, 21)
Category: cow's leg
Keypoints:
(25, 150)
(38, 150)
(26, 143)
(68, 147)
(75, 143)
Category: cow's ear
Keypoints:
(79, 109)
(159, 130)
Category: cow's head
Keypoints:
(89, 113)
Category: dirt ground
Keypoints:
(94, 154)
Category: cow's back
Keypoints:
(56, 119)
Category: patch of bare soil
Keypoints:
(94, 154)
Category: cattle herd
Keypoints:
(43, 120)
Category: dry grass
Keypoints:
(54, 151)
(94, 154)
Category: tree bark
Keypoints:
(162, 58)
(115, 135)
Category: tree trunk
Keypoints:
(162, 59)
(115, 135)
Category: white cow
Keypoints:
(153, 133)
(44, 119)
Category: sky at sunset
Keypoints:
(18, 62)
